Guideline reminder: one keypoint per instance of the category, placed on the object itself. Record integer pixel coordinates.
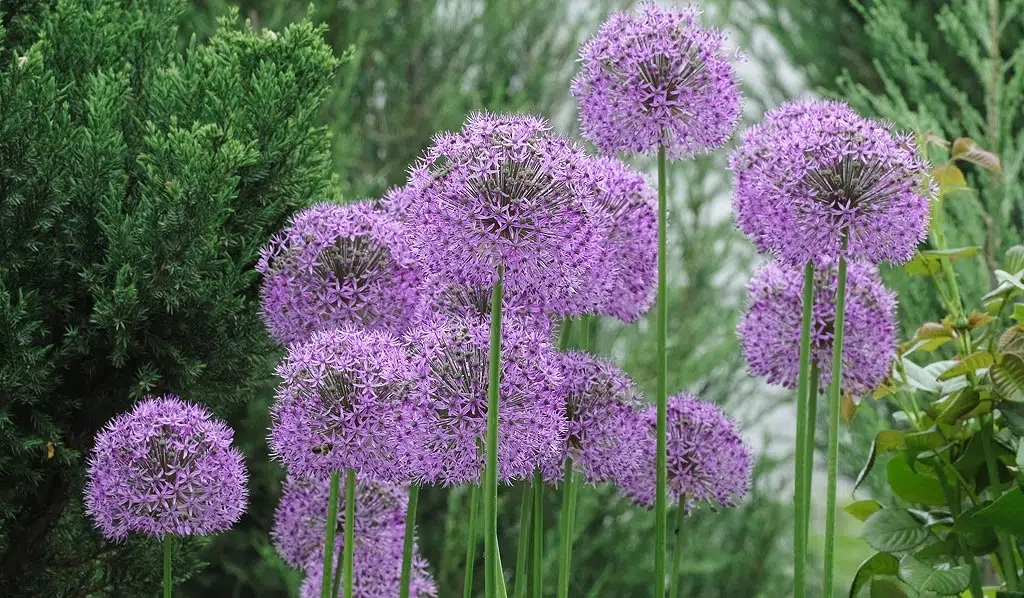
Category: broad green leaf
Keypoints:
(929, 263)
(880, 563)
(1005, 594)
(862, 509)
(1013, 280)
(1008, 378)
(965, 148)
(957, 405)
(883, 588)
(1005, 514)
(950, 178)
(919, 378)
(912, 486)
(1013, 414)
(973, 362)
(944, 579)
(1018, 312)
(945, 386)
(1011, 341)
(894, 530)
(1013, 260)
(884, 441)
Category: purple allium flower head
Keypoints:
(299, 530)
(505, 191)
(622, 281)
(165, 467)
(442, 298)
(398, 202)
(601, 403)
(770, 329)
(337, 264)
(338, 404)
(707, 460)
(815, 172)
(449, 368)
(656, 77)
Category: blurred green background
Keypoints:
(419, 66)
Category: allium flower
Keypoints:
(707, 460)
(449, 370)
(442, 298)
(299, 532)
(601, 403)
(334, 265)
(398, 202)
(622, 281)
(654, 78)
(165, 467)
(505, 191)
(338, 404)
(814, 173)
(770, 330)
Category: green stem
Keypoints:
(491, 471)
(332, 525)
(567, 521)
(1007, 562)
(801, 481)
(474, 503)
(168, 582)
(499, 575)
(585, 333)
(350, 526)
(538, 535)
(954, 508)
(834, 393)
(660, 498)
(337, 578)
(812, 418)
(523, 555)
(677, 561)
(410, 532)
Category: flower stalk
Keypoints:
(802, 482)
(661, 398)
(834, 393)
(491, 472)
(410, 531)
(350, 526)
(332, 523)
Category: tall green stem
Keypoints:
(801, 480)
(566, 526)
(474, 503)
(332, 526)
(523, 555)
(812, 418)
(1008, 563)
(537, 579)
(410, 532)
(499, 575)
(491, 471)
(660, 498)
(834, 393)
(350, 526)
(677, 560)
(954, 507)
(168, 582)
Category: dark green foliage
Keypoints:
(137, 184)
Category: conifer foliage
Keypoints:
(137, 183)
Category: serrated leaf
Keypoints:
(1008, 378)
(880, 563)
(944, 580)
(1005, 514)
(965, 148)
(894, 530)
(862, 509)
(912, 486)
(950, 178)
(972, 363)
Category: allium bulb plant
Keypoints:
(769, 330)
(814, 178)
(166, 468)
(656, 78)
(335, 265)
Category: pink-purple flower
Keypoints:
(338, 264)
(165, 467)
(655, 78)
(338, 404)
(770, 329)
(707, 460)
(814, 175)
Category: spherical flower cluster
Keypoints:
(166, 467)
(337, 264)
(398, 202)
(706, 458)
(657, 78)
(442, 298)
(770, 329)
(601, 405)
(622, 281)
(505, 191)
(448, 368)
(814, 175)
(338, 404)
(300, 525)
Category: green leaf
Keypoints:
(943, 579)
(1005, 514)
(894, 530)
(917, 377)
(880, 563)
(884, 441)
(1008, 378)
(950, 178)
(1013, 260)
(1018, 312)
(1020, 455)
(1013, 280)
(929, 263)
(912, 486)
(862, 509)
(965, 148)
(957, 405)
(1013, 414)
(883, 588)
(973, 362)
